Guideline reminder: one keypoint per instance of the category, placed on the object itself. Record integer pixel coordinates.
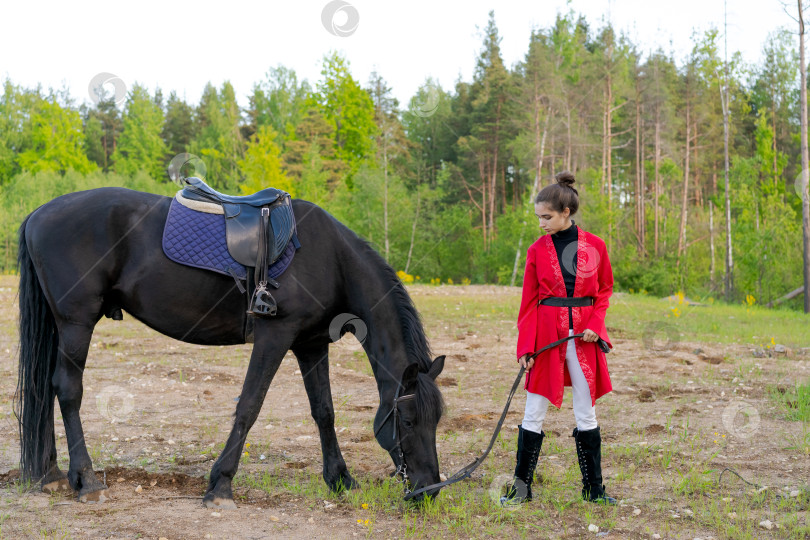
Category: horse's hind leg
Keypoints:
(74, 342)
(268, 351)
(54, 479)
(315, 368)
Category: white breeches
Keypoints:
(584, 412)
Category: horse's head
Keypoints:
(406, 422)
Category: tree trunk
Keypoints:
(482, 171)
(682, 229)
(385, 198)
(413, 231)
(517, 260)
(773, 149)
(729, 278)
(711, 244)
(605, 145)
(805, 164)
(493, 175)
(642, 199)
(541, 140)
(657, 176)
(759, 249)
(608, 155)
(503, 190)
(637, 215)
(696, 169)
(569, 145)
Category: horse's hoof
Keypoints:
(94, 497)
(343, 483)
(57, 485)
(219, 503)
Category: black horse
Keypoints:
(93, 253)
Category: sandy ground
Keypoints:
(156, 413)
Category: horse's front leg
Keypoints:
(314, 364)
(268, 351)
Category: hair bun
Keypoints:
(565, 178)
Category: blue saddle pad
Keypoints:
(198, 239)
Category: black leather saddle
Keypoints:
(258, 228)
(197, 189)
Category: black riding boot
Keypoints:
(589, 453)
(528, 450)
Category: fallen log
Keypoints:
(788, 296)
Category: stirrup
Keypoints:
(262, 304)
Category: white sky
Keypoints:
(181, 47)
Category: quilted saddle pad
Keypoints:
(197, 239)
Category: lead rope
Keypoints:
(467, 471)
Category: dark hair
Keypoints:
(561, 195)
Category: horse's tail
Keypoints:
(39, 344)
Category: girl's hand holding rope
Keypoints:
(590, 336)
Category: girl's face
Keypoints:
(550, 220)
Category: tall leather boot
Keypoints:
(528, 450)
(589, 454)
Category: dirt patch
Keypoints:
(654, 428)
(9, 477)
(181, 483)
(684, 410)
(470, 421)
(358, 408)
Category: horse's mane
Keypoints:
(430, 403)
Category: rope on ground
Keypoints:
(720, 480)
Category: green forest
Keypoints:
(442, 186)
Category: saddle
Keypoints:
(258, 228)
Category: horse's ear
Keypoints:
(436, 367)
(409, 375)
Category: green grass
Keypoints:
(795, 401)
(713, 322)
(633, 315)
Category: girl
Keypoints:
(566, 287)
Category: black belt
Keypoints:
(567, 301)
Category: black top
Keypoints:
(568, 260)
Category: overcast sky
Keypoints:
(181, 48)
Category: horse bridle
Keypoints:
(402, 467)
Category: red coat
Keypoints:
(539, 325)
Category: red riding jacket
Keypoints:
(539, 325)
